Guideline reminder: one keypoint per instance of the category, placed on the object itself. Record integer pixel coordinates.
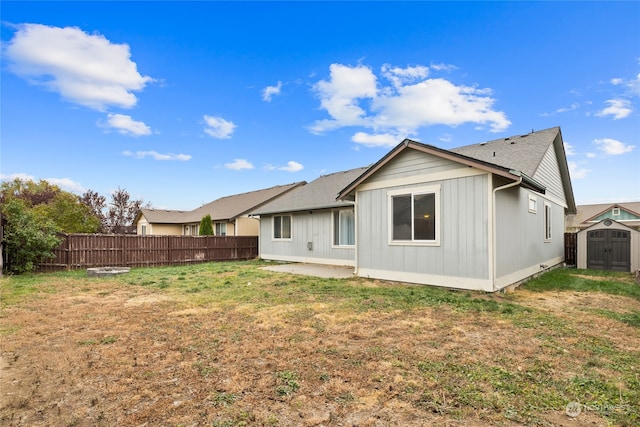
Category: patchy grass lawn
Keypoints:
(230, 344)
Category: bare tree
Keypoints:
(97, 203)
(122, 212)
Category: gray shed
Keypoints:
(609, 245)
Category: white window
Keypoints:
(344, 230)
(533, 203)
(615, 211)
(221, 229)
(144, 230)
(414, 216)
(547, 222)
(282, 227)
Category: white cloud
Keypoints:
(633, 84)
(269, 91)
(573, 106)
(217, 127)
(353, 96)
(126, 125)
(592, 155)
(20, 176)
(238, 164)
(576, 172)
(379, 140)
(292, 166)
(612, 146)
(443, 67)
(157, 156)
(568, 149)
(618, 108)
(86, 69)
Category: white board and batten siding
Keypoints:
(522, 249)
(460, 258)
(311, 240)
(549, 174)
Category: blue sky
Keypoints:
(181, 103)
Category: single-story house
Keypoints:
(482, 217)
(588, 215)
(309, 224)
(609, 245)
(230, 215)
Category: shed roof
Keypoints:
(318, 194)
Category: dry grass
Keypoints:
(230, 344)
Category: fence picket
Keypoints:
(78, 251)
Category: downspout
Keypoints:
(357, 223)
(494, 225)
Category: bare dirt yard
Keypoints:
(225, 345)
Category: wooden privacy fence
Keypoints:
(570, 249)
(79, 251)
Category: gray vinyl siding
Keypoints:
(463, 216)
(411, 163)
(308, 226)
(520, 235)
(549, 173)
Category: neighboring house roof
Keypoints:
(161, 216)
(231, 207)
(587, 215)
(512, 157)
(318, 194)
(223, 209)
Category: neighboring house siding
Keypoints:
(164, 230)
(462, 252)
(247, 226)
(306, 227)
(549, 173)
(521, 246)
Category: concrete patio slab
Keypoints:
(317, 270)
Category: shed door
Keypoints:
(609, 250)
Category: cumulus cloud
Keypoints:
(613, 147)
(238, 164)
(270, 91)
(377, 140)
(576, 172)
(217, 127)
(618, 108)
(157, 156)
(86, 69)
(292, 166)
(126, 125)
(399, 103)
(568, 149)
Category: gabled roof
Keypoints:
(318, 194)
(521, 152)
(225, 208)
(162, 216)
(587, 213)
(517, 157)
(231, 207)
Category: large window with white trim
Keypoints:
(344, 228)
(415, 215)
(282, 227)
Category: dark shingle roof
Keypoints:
(318, 194)
(523, 153)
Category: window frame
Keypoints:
(532, 209)
(335, 224)
(548, 222)
(412, 192)
(273, 228)
(615, 212)
(218, 225)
